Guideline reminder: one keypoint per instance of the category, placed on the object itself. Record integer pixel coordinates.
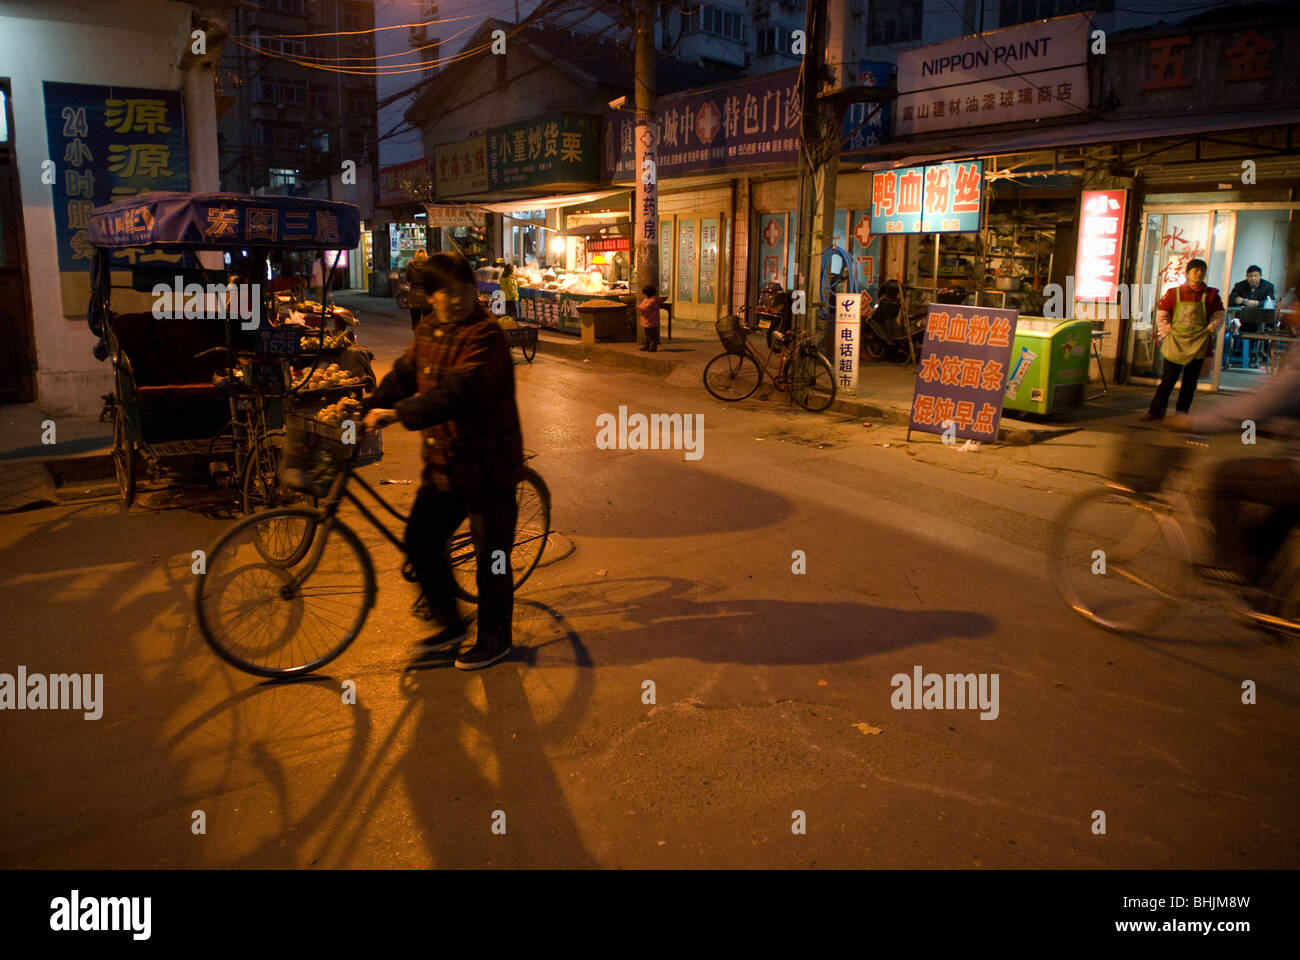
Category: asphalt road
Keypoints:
(772, 689)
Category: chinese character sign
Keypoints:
(963, 372)
(1101, 234)
(107, 144)
(953, 197)
(461, 168)
(752, 121)
(867, 124)
(943, 198)
(555, 149)
(896, 200)
(844, 355)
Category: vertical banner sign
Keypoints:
(963, 371)
(848, 307)
(1101, 232)
(107, 144)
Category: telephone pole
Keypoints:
(645, 223)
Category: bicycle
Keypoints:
(799, 369)
(297, 582)
(1120, 555)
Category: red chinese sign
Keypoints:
(1101, 232)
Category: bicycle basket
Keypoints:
(1144, 459)
(314, 451)
(732, 333)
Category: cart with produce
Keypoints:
(202, 382)
(522, 335)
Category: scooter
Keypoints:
(886, 334)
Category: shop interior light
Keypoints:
(599, 258)
(557, 245)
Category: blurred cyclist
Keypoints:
(1256, 500)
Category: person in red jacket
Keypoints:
(1187, 318)
(456, 385)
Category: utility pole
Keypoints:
(811, 159)
(645, 223)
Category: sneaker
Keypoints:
(478, 658)
(444, 639)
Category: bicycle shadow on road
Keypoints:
(646, 618)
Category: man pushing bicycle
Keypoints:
(456, 385)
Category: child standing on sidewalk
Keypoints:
(649, 309)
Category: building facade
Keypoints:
(79, 130)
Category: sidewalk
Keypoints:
(29, 465)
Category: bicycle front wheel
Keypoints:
(732, 376)
(532, 529)
(1119, 559)
(273, 620)
(282, 544)
(812, 381)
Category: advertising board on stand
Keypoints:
(848, 323)
(963, 374)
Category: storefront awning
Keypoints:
(549, 203)
(1077, 134)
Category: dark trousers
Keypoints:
(512, 308)
(651, 337)
(1256, 502)
(492, 514)
(1191, 372)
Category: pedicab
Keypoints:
(204, 380)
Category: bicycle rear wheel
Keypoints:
(532, 528)
(272, 620)
(812, 381)
(1119, 559)
(732, 376)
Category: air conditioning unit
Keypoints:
(418, 33)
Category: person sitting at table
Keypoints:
(1253, 291)
(1249, 295)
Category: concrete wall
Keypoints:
(83, 43)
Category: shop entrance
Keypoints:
(15, 317)
(1229, 238)
(692, 265)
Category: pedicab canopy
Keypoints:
(185, 222)
(225, 221)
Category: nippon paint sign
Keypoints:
(1027, 72)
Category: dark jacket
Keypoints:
(1260, 293)
(456, 385)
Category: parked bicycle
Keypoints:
(793, 362)
(287, 590)
(1124, 556)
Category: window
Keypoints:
(709, 19)
(283, 178)
(265, 134)
(288, 48)
(1023, 11)
(894, 21)
(4, 118)
(320, 141)
(776, 40)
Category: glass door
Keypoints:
(1169, 241)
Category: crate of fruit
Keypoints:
(316, 447)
